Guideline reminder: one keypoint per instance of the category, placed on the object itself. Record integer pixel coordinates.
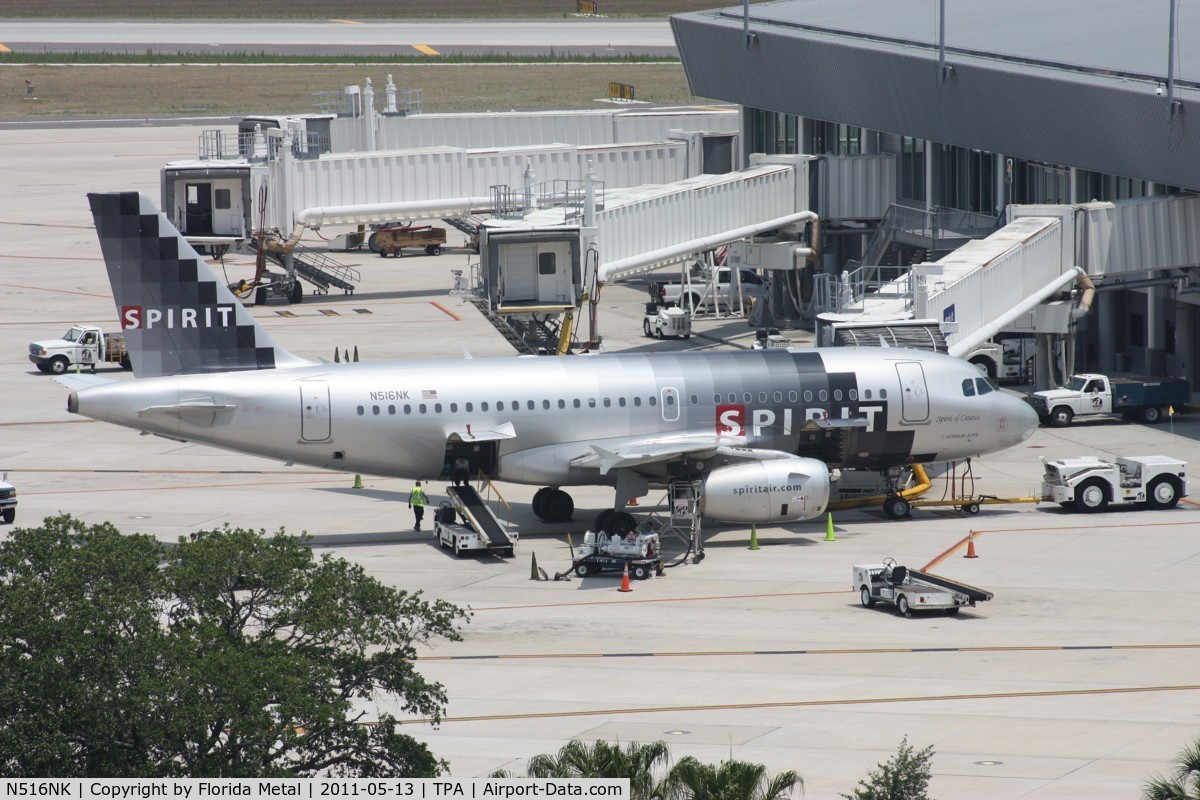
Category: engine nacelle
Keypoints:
(779, 490)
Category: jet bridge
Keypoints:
(541, 264)
(984, 287)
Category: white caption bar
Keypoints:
(313, 788)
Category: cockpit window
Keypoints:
(986, 385)
(969, 387)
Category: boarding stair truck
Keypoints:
(1087, 395)
(662, 321)
(481, 529)
(87, 345)
(640, 552)
(1091, 484)
(912, 590)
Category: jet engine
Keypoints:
(778, 490)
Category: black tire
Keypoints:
(693, 300)
(8, 515)
(646, 328)
(1060, 417)
(1091, 497)
(460, 552)
(260, 296)
(864, 597)
(1151, 415)
(583, 569)
(125, 362)
(59, 365)
(970, 508)
(602, 519)
(639, 572)
(558, 506)
(433, 250)
(619, 523)
(296, 296)
(539, 502)
(659, 333)
(896, 507)
(902, 606)
(953, 612)
(1163, 492)
(43, 368)
(383, 253)
(373, 242)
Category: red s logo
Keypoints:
(731, 420)
(131, 317)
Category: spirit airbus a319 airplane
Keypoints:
(760, 429)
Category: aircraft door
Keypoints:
(519, 273)
(914, 395)
(314, 411)
(670, 403)
(198, 208)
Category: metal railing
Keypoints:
(944, 228)
(847, 292)
(218, 145)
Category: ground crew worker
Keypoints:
(416, 501)
(461, 472)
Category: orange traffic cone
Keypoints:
(625, 587)
(971, 545)
(633, 501)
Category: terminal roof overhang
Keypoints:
(1072, 82)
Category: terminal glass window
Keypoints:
(968, 179)
(1040, 183)
(833, 138)
(912, 168)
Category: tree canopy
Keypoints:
(904, 776)
(232, 655)
(1183, 781)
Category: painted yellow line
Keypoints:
(860, 701)
(346, 21)
(426, 49)
(660, 600)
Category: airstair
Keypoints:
(529, 334)
(472, 508)
(317, 268)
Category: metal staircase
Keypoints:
(318, 269)
(528, 334)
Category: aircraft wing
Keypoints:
(650, 451)
(78, 381)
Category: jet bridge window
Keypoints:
(221, 198)
(968, 387)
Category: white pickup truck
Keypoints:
(1091, 395)
(87, 345)
(1091, 484)
(8, 500)
(697, 290)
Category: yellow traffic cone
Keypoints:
(829, 537)
(753, 537)
(357, 481)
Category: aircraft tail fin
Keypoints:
(178, 318)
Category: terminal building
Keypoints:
(1087, 107)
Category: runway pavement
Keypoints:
(1081, 679)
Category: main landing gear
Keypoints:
(553, 505)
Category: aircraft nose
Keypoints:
(1023, 418)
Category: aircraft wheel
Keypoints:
(602, 519)
(902, 606)
(1091, 497)
(865, 598)
(639, 572)
(583, 570)
(539, 502)
(619, 523)
(297, 294)
(558, 506)
(896, 507)
(1163, 492)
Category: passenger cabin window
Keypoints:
(360, 410)
(808, 395)
(637, 401)
(483, 406)
(968, 387)
(822, 395)
(391, 409)
(576, 402)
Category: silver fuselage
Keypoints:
(543, 416)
